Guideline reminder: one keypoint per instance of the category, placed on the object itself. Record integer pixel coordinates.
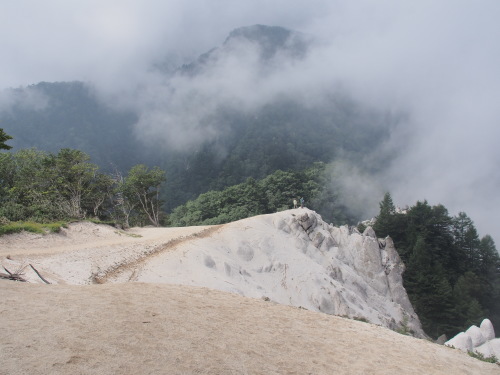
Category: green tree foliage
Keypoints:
(386, 218)
(41, 186)
(467, 291)
(27, 187)
(4, 138)
(142, 186)
(467, 240)
(489, 275)
(100, 191)
(270, 194)
(73, 176)
(452, 277)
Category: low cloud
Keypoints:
(435, 62)
(25, 99)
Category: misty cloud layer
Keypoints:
(435, 62)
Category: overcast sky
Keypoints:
(438, 61)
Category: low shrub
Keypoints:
(30, 226)
(481, 357)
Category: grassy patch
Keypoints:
(30, 226)
(119, 232)
(357, 318)
(481, 357)
(360, 319)
(404, 329)
(97, 221)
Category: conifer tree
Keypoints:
(384, 224)
(467, 239)
(466, 292)
(441, 252)
(4, 138)
(489, 274)
(444, 308)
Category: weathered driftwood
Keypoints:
(16, 276)
(38, 273)
(11, 277)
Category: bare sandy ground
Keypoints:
(164, 329)
(86, 235)
(136, 328)
(86, 253)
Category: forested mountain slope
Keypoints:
(205, 139)
(55, 115)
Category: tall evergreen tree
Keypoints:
(466, 292)
(444, 308)
(489, 274)
(384, 225)
(489, 260)
(467, 239)
(4, 138)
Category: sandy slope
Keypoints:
(85, 235)
(137, 328)
(85, 252)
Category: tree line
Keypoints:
(273, 193)
(452, 275)
(42, 187)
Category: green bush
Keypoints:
(30, 226)
(481, 357)
(361, 227)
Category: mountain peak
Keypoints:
(261, 33)
(271, 39)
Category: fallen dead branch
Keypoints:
(38, 273)
(16, 276)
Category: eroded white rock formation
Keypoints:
(477, 339)
(294, 258)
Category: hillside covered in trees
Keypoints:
(452, 275)
(202, 140)
(273, 193)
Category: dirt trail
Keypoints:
(84, 235)
(133, 264)
(86, 253)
